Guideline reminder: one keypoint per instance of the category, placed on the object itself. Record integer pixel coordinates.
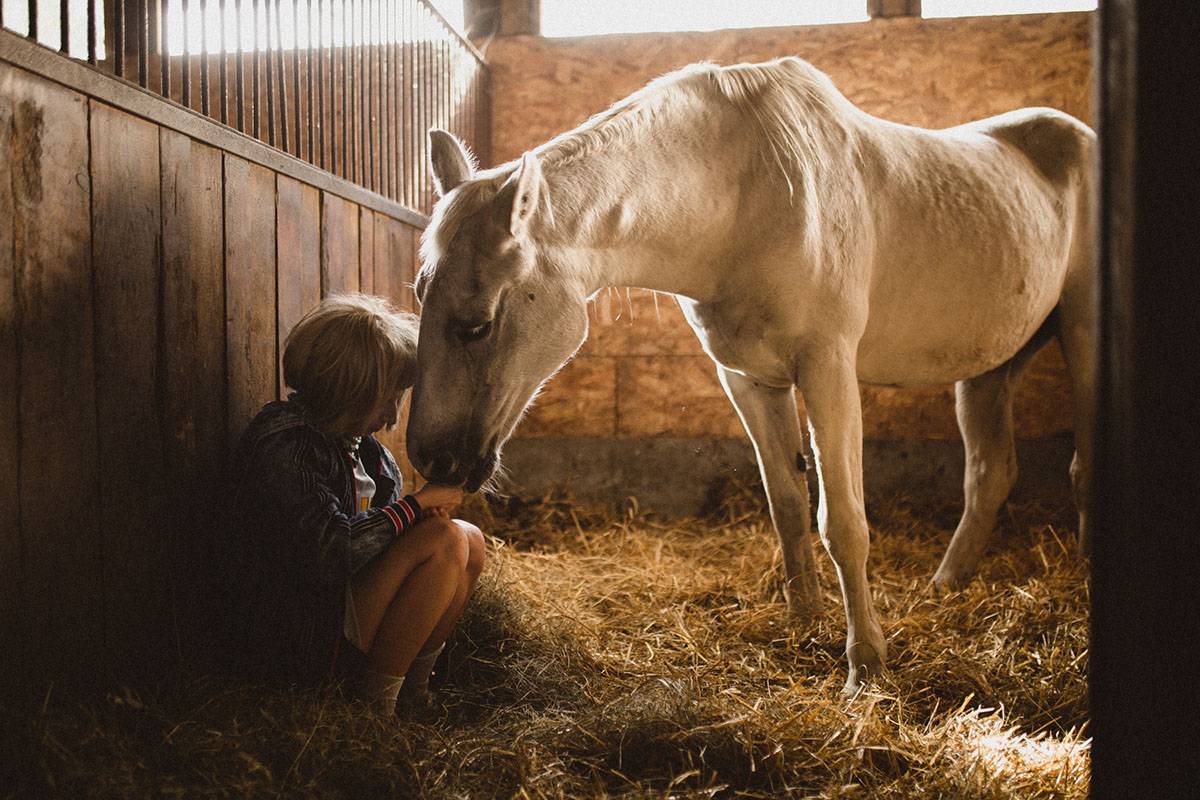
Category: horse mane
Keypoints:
(787, 99)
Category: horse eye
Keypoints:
(473, 333)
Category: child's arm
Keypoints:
(328, 544)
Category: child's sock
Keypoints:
(381, 690)
(416, 682)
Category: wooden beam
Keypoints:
(894, 8)
(488, 18)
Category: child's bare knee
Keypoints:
(449, 542)
(476, 549)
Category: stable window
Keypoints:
(572, 18)
(47, 28)
(979, 8)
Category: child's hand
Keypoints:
(435, 496)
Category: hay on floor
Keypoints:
(625, 655)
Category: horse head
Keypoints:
(499, 314)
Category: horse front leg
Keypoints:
(830, 387)
(770, 418)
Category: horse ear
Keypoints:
(526, 194)
(449, 159)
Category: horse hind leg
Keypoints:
(1076, 332)
(983, 405)
(771, 420)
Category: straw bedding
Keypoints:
(626, 655)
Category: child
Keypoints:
(334, 555)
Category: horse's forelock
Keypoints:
(449, 216)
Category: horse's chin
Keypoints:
(483, 470)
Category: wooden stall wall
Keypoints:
(641, 389)
(147, 282)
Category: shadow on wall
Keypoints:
(608, 470)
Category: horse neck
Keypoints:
(636, 215)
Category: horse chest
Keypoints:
(740, 339)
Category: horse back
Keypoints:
(1056, 144)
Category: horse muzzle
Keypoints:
(446, 467)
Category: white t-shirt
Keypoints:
(364, 486)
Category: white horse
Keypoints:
(809, 245)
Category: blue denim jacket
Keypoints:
(296, 537)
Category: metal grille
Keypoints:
(350, 86)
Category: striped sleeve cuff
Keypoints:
(403, 513)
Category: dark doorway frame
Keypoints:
(1145, 508)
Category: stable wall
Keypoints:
(641, 400)
(151, 264)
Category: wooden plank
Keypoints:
(408, 297)
(10, 376)
(125, 262)
(339, 245)
(19, 51)
(366, 250)
(52, 259)
(394, 261)
(193, 358)
(299, 226)
(249, 291)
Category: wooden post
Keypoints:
(1145, 504)
(894, 8)
(487, 18)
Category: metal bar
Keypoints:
(372, 82)
(164, 83)
(270, 76)
(91, 29)
(398, 95)
(118, 55)
(368, 87)
(143, 54)
(321, 78)
(410, 83)
(333, 159)
(308, 78)
(223, 79)
(355, 120)
(296, 77)
(283, 109)
(389, 84)
(343, 85)
(425, 77)
(255, 88)
(239, 70)
(33, 20)
(186, 63)
(64, 26)
(445, 78)
(204, 100)
(349, 87)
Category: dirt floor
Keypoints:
(625, 655)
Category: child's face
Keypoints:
(386, 416)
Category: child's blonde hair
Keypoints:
(349, 356)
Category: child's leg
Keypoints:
(466, 582)
(416, 681)
(405, 593)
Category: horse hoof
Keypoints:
(946, 581)
(866, 663)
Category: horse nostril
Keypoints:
(424, 456)
(442, 466)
